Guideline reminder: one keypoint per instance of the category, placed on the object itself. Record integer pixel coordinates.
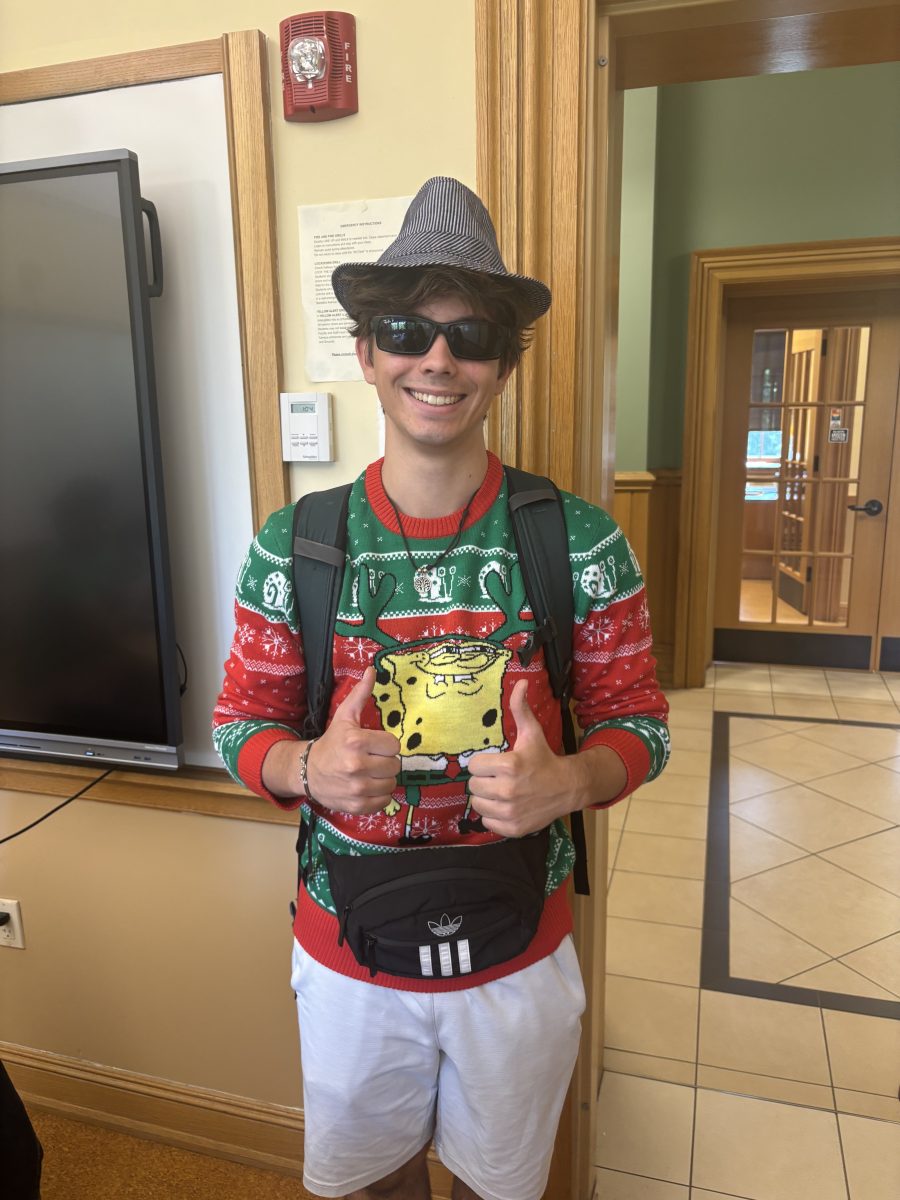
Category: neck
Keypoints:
(432, 487)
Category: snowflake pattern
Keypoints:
(429, 825)
(274, 643)
(358, 649)
(369, 822)
(393, 828)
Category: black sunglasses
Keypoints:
(473, 337)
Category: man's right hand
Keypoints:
(349, 769)
(352, 769)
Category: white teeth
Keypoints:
(435, 401)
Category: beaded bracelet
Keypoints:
(304, 767)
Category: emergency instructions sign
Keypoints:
(356, 231)
(837, 431)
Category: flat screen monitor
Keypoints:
(87, 643)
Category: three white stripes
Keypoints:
(446, 961)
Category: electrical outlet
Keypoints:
(11, 933)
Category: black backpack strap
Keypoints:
(542, 543)
(319, 548)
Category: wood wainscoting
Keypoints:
(647, 506)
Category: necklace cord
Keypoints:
(443, 554)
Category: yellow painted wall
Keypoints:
(416, 118)
(159, 942)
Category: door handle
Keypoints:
(871, 508)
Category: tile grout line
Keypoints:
(837, 1118)
(647, 979)
(852, 841)
(678, 837)
(696, 1095)
(814, 854)
(659, 874)
(784, 929)
(691, 987)
(779, 837)
(644, 1054)
(776, 1078)
(787, 979)
(671, 924)
(843, 800)
(840, 867)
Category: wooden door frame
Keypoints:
(717, 275)
(550, 80)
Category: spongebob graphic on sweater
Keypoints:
(444, 644)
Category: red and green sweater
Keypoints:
(446, 664)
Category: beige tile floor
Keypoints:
(707, 1094)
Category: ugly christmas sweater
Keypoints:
(445, 651)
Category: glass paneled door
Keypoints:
(809, 415)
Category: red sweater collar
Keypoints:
(433, 527)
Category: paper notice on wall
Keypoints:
(330, 234)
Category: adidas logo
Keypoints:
(445, 927)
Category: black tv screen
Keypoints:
(88, 659)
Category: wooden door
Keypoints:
(809, 419)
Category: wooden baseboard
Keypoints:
(252, 1132)
(235, 1127)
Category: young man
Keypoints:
(442, 752)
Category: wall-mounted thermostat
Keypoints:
(306, 427)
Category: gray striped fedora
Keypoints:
(446, 225)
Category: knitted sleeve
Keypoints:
(618, 700)
(263, 698)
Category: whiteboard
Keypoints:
(178, 131)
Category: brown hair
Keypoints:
(384, 290)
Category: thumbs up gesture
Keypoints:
(352, 769)
(523, 789)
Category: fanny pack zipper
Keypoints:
(383, 889)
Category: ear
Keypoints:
(364, 355)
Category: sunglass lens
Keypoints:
(475, 339)
(403, 335)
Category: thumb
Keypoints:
(351, 707)
(527, 723)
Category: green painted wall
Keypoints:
(777, 158)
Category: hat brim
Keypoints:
(536, 294)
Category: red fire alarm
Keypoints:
(318, 66)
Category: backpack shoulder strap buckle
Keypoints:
(545, 633)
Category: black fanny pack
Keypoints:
(442, 912)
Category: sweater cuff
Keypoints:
(250, 764)
(633, 753)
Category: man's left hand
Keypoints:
(528, 787)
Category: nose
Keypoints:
(438, 358)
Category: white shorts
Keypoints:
(483, 1071)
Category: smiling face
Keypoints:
(433, 401)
